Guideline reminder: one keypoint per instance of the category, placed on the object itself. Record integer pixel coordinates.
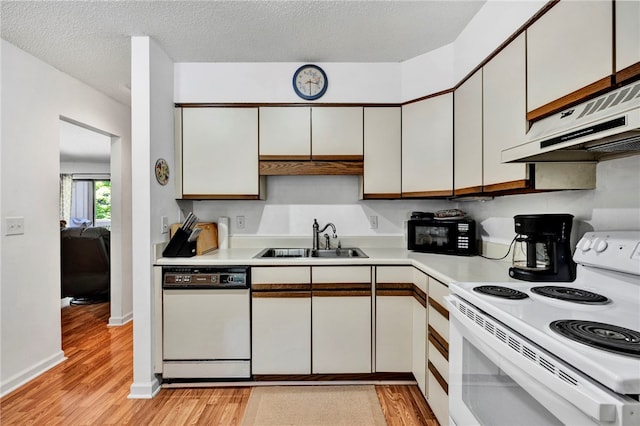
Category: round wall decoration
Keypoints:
(310, 82)
(162, 171)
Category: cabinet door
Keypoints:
(382, 147)
(341, 320)
(468, 136)
(504, 116)
(419, 357)
(281, 320)
(569, 49)
(394, 318)
(427, 147)
(336, 133)
(438, 355)
(285, 133)
(627, 40)
(220, 152)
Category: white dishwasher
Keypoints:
(206, 323)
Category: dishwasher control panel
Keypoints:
(210, 277)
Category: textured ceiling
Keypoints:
(90, 40)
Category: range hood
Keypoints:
(606, 126)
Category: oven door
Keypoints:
(499, 378)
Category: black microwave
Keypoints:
(446, 236)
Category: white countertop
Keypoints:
(444, 268)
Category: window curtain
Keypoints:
(66, 182)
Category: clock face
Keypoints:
(310, 82)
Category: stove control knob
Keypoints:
(600, 245)
(584, 244)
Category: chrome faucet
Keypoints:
(317, 231)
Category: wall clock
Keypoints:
(310, 82)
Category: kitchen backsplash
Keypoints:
(293, 202)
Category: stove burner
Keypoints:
(599, 335)
(571, 295)
(502, 292)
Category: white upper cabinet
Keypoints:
(569, 49)
(467, 119)
(219, 152)
(382, 147)
(427, 147)
(504, 117)
(627, 39)
(336, 133)
(285, 133)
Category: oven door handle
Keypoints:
(587, 397)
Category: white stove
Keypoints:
(608, 273)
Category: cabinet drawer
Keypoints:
(439, 323)
(438, 398)
(420, 279)
(394, 274)
(341, 274)
(439, 362)
(438, 291)
(288, 275)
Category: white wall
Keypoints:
(152, 138)
(85, 167)
(34, 97)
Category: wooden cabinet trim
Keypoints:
(297, 168)
(280, 287)
(281, 294)
(284, 157)
(439, 343)
(394, 289)
(571, 99)
(341, 289)
(468, 191)
(438, 307)
(317, 157)
(420, 295)
(382, 196)
(436, 374)
(219, 197)
(628, 73)
(507, 186)
(424, 194)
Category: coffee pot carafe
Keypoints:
(542, 249)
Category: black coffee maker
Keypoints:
(542, 249)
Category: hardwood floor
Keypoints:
(91, 387)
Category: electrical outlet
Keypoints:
(164, 224)
(373, 222)
(240, 222)
(14, 225)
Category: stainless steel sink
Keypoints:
(288, 253)
(284, 252)
(341, 252)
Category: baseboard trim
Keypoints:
(118, 321)
(145, 390)
(29, 374)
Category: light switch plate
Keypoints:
(164, 224)
(14, 225)
(240, 222)
(373, 222)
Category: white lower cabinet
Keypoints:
(438, 355)
(394, 318)
(281, 320)
(419, 330)
(341, 319)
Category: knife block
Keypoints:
(179, 246)
(207, 240)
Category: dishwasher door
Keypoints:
(206, 333)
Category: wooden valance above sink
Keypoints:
(318, 165)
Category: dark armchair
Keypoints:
(85, 264)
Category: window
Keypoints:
(90, 203)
